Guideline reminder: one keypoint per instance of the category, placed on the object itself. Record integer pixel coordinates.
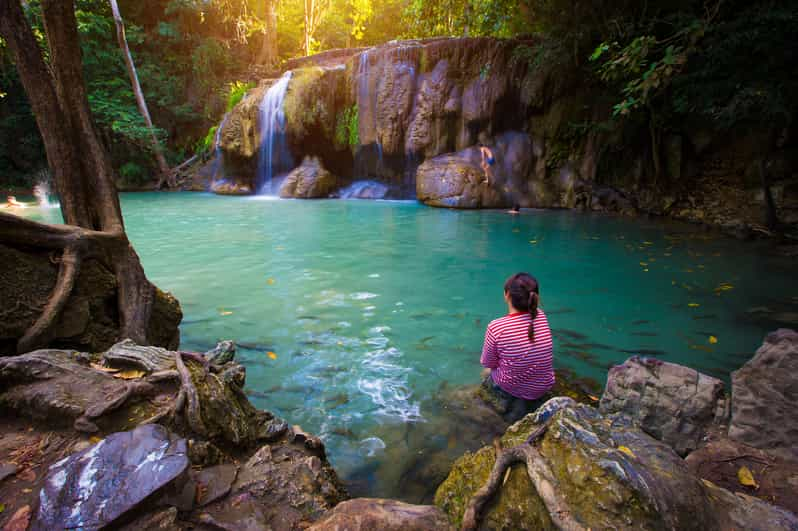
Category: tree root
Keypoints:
(190, 396)
(540, 475)
(41, 332)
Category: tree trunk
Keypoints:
(268, 51)
(308, 16)
(82, 172)
(163, 167)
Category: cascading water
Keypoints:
(218, 166)
(367, 117)
(273, 156)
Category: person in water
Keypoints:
(518, 349)
(515, 210)
(488, 160)
(11, 201)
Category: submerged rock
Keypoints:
(765, 397)
(308, 181)
(670, 402)
(93, 488)
(373, 514)
(608, 474)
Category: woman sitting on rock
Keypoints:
(518, 351)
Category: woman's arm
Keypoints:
(490, 355)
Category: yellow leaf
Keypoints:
(713, 339)
(643, 264)
(272, 355)
(593, 398)
(648, 243)
(103, 368)
(533, 242)
(270, 281)
(627, 451)
(94, 439)
(131, 374)
(746, 478)
(693, 304)
(225, 312)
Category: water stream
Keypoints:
(273, 156)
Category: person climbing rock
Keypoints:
(488, 160)
(518, 351)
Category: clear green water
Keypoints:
(369, 307)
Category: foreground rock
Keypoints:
(670, 402)
(152, 412)
(765, 397)
(598, 472)
(372, 514)
(93, 488)
(308, 181)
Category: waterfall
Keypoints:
(42, 193)
(367, 116)
(217, 169)
(273, 154)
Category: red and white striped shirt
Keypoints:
(520, 367)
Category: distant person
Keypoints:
(488, 160)
(12, 202)
(515, 210)
(518, 350)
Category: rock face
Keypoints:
(379, 113)
(86, 323)
(607, 474)
(670, 402)
(308, 181)
(765, 397)
(372, 514)
(93, 488)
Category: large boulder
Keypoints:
(456, 181)
(604, 473)
(670, 402)
(309, 180)
(765, 397)
(95, 487)
(373, 514)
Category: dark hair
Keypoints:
(524, 295)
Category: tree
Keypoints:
(268, 52)
(314, 12)
(82, 171)
(163, 167)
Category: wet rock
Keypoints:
(229, 187)
(163, 520)
(372, 514)
(765, 397)
(608, 474)
(456, 181)
(214, 483)
(670, 402)
(95, 487)
(309, 180)
(223, 352)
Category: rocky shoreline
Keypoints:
(145, 438)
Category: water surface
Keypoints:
(350, 315)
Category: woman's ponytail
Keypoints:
(533, 312)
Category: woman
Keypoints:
(518, 347)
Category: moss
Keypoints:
(468, 474)
(305, 104)
(346, 128)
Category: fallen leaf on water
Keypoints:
(272, 355)
(648, 243)
(270, 281)
(533, 242)
(713, 339)
(643, 264)
(131, 374)
(627, 451)
(225, 312)
(693, 304)
(746, 478)
(102, 368)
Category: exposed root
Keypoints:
(41, 332)
(187, 389)
(540, 475)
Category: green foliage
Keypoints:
(207, 143)
(346, 127)
(238, 90)
(133, 174)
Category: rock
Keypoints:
(309, 180)
(150, 359)
(6, 470)
(19, 520)
(670, 402)
(223, 352)
(93, 488)
(162, 520)
(226, 187)
(364, 190)
(765, 397)
(456, 181)
(719, 461)
(214, 483)
(372, 514)
(279, 486)
(606, 474)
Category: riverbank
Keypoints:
(213, 460)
